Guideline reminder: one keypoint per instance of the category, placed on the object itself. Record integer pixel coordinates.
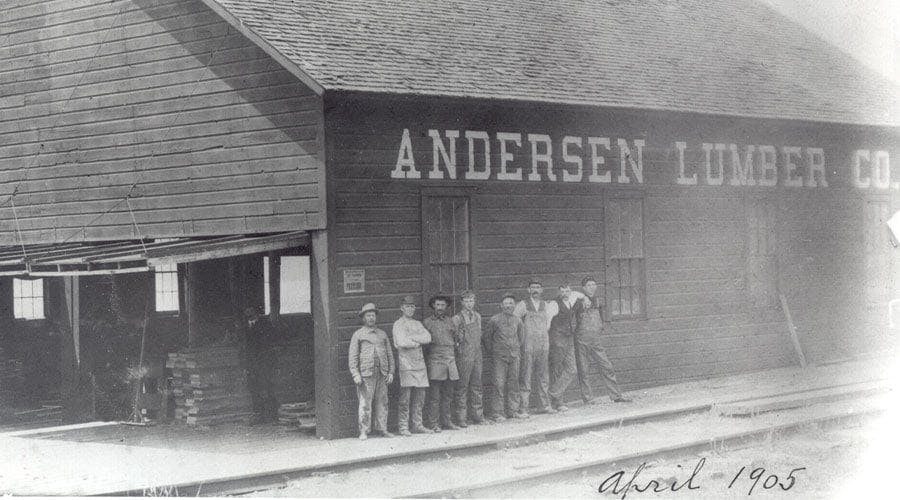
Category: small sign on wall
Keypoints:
(354, 280)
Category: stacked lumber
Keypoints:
(302, 415)
(209, 385)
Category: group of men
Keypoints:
(440, 359)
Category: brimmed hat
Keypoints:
(467, 293)
(445, 298)
(368, 307)
(408, 300)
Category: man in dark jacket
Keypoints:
(589, 345)
(261, 362)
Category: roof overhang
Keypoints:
(120, 257)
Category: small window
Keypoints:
(28, 299)
(294, 285)
(167, 288)
(625, 290)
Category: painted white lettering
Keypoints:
(438, 152)
(637, 168)
(473, 173)
(598, 159)
(546, 157)
(790, 168)
(506, 172)
(683, 179)
(881, 176)
(858, 180)
(717, 178)
(815, 163)
(406, 164)
(572, 159)
(768, 172)
(742, 172)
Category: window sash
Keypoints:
(626, 292)
(166, 289)
(28, 299)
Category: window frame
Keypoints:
(270, 279)
(179, 284)
(426, 265)
(641, 283)
(43, 299)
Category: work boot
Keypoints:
(562, 408)
(621, 399)
(546, 409)
(405, 433)
(436, 429)
(477, 420)
(450, 426)
(462, 424)
(362, 436)
(498, 418)
(386, 434)
(522, 414)
(422, 430)
(591, 401)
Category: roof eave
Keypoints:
(260, 42)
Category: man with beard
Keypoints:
(469, 362)
(441, 363)
(505, 335)
(589, 345)
(562, 346)
(371, 362)
(536, 315)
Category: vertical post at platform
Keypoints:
(274, 285)
(190, 304)
(327, 411)
(73, 317)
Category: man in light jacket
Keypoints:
(409, 337)
(371, 362)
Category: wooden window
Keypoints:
(166, 288)
(625, 282)
(294, 285)
(447, 235)
(28, 298)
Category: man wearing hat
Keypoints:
(589, 344)
(371, 362)
(261, 360)
(441, 364)
(469, 362)
(409, 337)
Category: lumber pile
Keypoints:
(209, 385)
(301, 415)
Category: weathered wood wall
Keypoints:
(162, 95)
(701, 320)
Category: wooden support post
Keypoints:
(790, 323)
(326, 380)
(72, 314)
(274, 286)
(191, 304)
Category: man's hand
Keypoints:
(390, 378)
(357, 379)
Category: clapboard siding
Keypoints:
(700, 319)
(163, 95)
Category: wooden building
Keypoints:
(701, 160)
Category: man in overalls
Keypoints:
(505, 335)
(536, 315)
(469, 362)
(440, 360)
(589, 345)
(562, 346)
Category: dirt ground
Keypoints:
(824, 463)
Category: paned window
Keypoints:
(625, 282)
(28, 298)
(167, 288)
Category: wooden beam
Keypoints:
(73, 313)
(191, 285)
(793, 331)
(326, 380)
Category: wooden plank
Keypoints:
(756, 406)
(798, 350)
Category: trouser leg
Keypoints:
(380, 403)
(526, 369)
(446, 401)
(418, 399)
(433, 403)
(476, 410)
(513, 396)
(464, 365)
(500, 375)
(403, 408)
(562, 364)
(607, 372)
(582, 364)
(365, 391)
(542, 372)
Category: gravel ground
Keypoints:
(814, 449)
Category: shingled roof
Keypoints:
(730, 57)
